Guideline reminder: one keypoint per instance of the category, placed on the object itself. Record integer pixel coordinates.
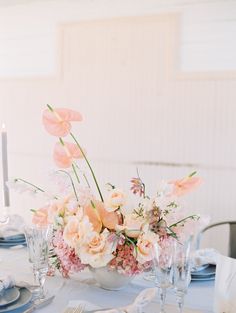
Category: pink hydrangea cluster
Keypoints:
(125, 261)
(66, 259)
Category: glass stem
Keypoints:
(39, 277)
(180, 302)
(162, 300)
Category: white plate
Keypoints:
(8, 296)
(197, 269)
(212, 277)
(12, 240)
(13, 237)
(12, 244)
(25, 297)
(208, 271)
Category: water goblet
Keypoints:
(38, 241)
(182, 271)
(162, 262)
(4, 216)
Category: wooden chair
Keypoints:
(232, 236)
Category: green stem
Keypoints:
(184, 219)
(75, 172)
(73, 166)
(28, 183)
(72, 183)
(49, 107)
(172, 233)
(32, 185)
(86, 179)
(91, 170)
(192, 174)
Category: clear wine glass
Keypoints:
(38, 241)
(163, 261)
(4, 216)
(182, 270)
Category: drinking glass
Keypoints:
(4, 216)
(182, 271)
(38, 241)
(163, 261)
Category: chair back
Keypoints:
(232, 236)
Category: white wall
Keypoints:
(170, 125)
(28, 31)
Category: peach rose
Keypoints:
(116, 199)
(133, 225)
(145, 246)
(76, 230)
(97, 250)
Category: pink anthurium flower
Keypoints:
(64, 154)
(185, 185)
(57, 121)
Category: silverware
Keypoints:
(37, 304)
(78, 309)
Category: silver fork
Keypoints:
(78, 309)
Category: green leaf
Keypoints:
(192, 174)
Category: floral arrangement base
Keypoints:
(110, 280)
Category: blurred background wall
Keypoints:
(154, 80)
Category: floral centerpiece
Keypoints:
(102, 228)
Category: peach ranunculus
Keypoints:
(145, 246)
(57, 121)
(41, 217)
(76, 229)
(64, 154)
(184, 185)
(97, 250)
(116, 199)
(48, 214)
(99, 216)
(63, 208)
(133, 225)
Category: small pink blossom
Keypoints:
(125, 261)
(137, 186)
(67, 259)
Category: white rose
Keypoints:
(97, 249)
(145, 246)
(76, 230)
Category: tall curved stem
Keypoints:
(87, 161)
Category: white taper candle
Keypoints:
(6, 197)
